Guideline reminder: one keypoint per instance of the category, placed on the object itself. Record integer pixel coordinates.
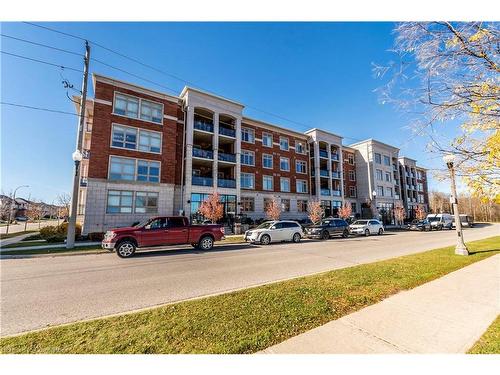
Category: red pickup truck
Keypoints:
(161, 231)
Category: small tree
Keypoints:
(212, 208)
(420, 213)
(399, 213)
(35, 212)
(64, 201)
(315, 211)
(345, 211)
(273, 210)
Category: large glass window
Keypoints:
(378, 158)
(130, 106)
(122, 169)
(126, 106)
(350, 158)
(149, 141)
(267, 183)
(247, 157)
(380, 191)
(285, 205)
(387, 160)
(119, 202)
(284, 144)
(284, 164)
(267, 140)
(124, 137)
(267, 161)
(285, 184)
(247, 181)
(247, 135)
(247, 204)
(352, 175)
(301, 186)
(151, 111)
(388, 176)
(146, 202)
(352, 191)
(380, 175)
(300, 166)
(300, 147)
(301, 205)
(148, 171)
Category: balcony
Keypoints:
(323, 173)
(336, 193)
(323, 154)
(204, 154)
(336, 174)
(228, 132)
(335, 157)
(230, 158)
(203, 126)
(202, 181)
(325, 192)
(225, 183)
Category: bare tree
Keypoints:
(64, 201)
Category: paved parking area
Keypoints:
(39, 292)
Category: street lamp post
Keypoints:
(10, 209)
(460, 249)
(70, 239)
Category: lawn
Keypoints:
(54, 250)
(10, 235)
(489, 343)
(26, 244)
(250, 320)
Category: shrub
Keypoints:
(59, 231)
(33, 238)
(55, 238)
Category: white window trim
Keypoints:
(135, 170)
(353, 174)
(139, 113)
(285, 170)
(288, 143)
(251, 198)
(300, 161)
(272, 161)
(301, 192)
(289, 187)
(252, 130)
(262, 140)
(303, 146)
(253, 179)
(120, 213)
(272, 183)
(137, 134)
(253, 153)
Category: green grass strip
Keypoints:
(252, 319)
(54, 250)
(489, 343)
(15, 234)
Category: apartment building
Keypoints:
(413, 185)
(149, 153)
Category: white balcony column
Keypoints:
(238, 164)
(215, 142)
(341, 162)
(329, 167)
(316, 169)
(188, 161)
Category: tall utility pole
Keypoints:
(77, 155)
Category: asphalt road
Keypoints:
(40, 292)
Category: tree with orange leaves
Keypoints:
(315, 211)
(273, 210)
(212, 208)
(420, 213)
(345, 211)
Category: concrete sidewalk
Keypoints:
(447, 315)
(16, 239)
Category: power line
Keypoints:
(41, 61)
(41, 45)
(38, 108)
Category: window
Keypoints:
(247, 204)
(126, 105)
(247, 135)
(300, 147)
(353, 207)
(378, 158)
(267, 140)
(146, 202)
(380, 191)
(124, 137)
(267, 161)
(388, 176)
(284, 144)
(159, 223)
(247, 181)
(176, 222)
(301, 205)
(247, 157)
(267, 182)
(300, 166)
(387, 160)
(151, 111)
(380, 175)
(301, 186)
(388, 192)
(149, 141)
(122, 169)
(148, 171)
(350, 159)
(285, 205)
(352, 191)
(285, 184)
(420, 186)
(119, 202)
(284, 164)
(352, 175)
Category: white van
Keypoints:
(440, 221)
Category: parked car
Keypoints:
(327, 228)
(21, 218)
(421, 225)
(366, 227)
(440, 221)
(275, 231)
(466, 220)
(161, 231)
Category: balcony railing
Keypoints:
(224, 183)
(336, 193)
(323, 173)
(335, 157)
(202, 181)
(227, 131)
(205, 154)
(205, 126)
(231, 158)
(323, 153)
(335, 174)
(325, 192)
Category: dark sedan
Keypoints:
(421, 225)
(328, 228)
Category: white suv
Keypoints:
(366, 227)
(275, 231)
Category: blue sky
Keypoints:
(318, 74)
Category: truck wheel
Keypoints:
(265, 239)
(206, 243)
(325, 235)
(125, 249)
(296, 237)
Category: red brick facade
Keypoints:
(347, 167)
